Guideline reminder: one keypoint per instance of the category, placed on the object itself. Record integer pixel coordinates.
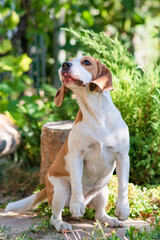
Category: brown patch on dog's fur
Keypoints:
(40, 196)
(104, 82)
(93, 68)
(57, 169)
(58, 99)
(50, 191)
(101, 75)
(79, 117)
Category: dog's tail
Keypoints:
(25, 204)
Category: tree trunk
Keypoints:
(52, 137)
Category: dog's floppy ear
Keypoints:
(104, 80)
(58, 99)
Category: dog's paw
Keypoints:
(60, 225)
(122, 210)
(111, 221)
(77, 208)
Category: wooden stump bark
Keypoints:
(52, 137)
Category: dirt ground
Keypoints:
(30, 225)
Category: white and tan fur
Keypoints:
(9, 136)
(97, 143)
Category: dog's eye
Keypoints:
(86, 62)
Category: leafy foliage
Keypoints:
(143, 201)
(132, 233)
(136, 234)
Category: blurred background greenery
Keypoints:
(33, 44)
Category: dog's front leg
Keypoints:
(122, 169)
(77, 207)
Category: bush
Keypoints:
(137, 95)
(144, 202)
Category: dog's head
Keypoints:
(83, 71)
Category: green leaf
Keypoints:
(5, 46)
(4, 12)
(18, 86)
(86, 15)
(7, 63)
(12, 20)
(17, 65)
(5, 88)
(24, 62)
(49, 89)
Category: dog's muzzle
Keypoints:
(67, 76)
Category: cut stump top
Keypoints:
(67, 124)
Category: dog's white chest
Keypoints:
(98, 166)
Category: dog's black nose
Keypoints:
(66, 65)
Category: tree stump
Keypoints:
(52, 137)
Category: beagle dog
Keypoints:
(97, 143)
